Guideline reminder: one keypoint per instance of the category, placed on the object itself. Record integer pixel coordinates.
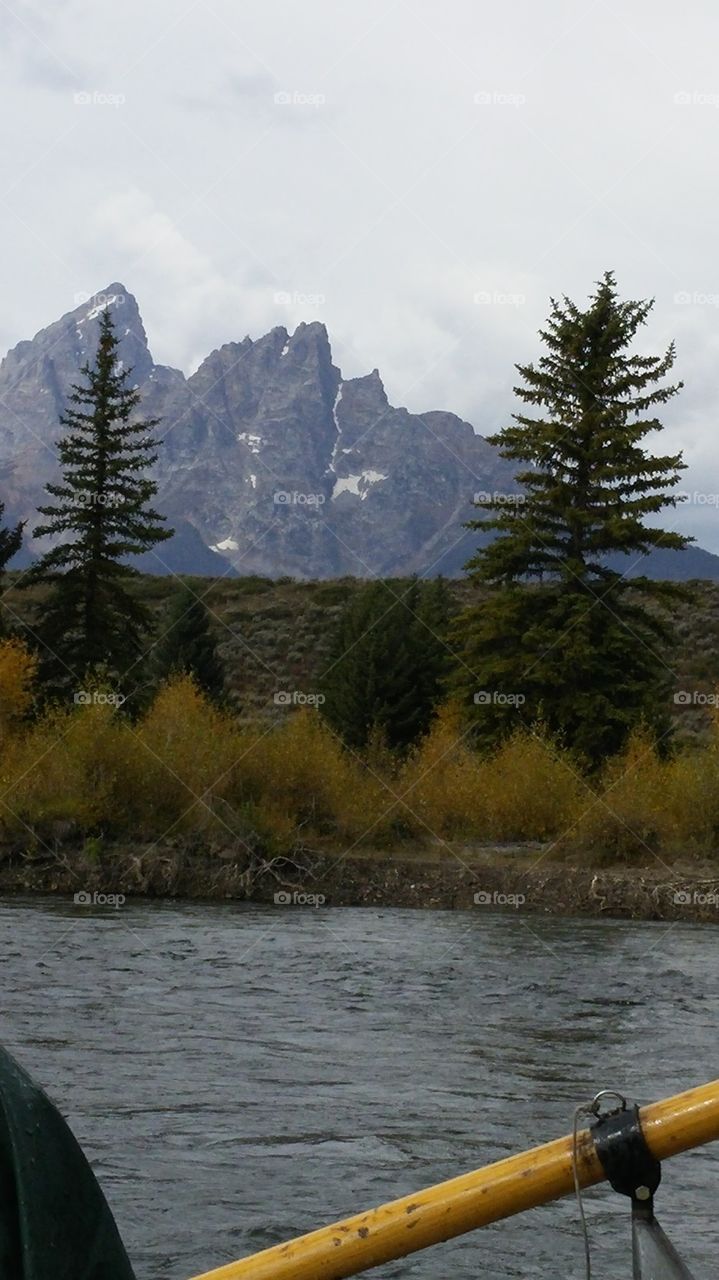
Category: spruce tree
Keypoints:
(187, 645)
(435, 608)
(101, 516)
(10, 544)
(388, 659)
(565, 637)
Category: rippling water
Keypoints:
(241, 1074)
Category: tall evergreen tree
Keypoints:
(435, 608)
(388, 659)
(10, 544)
(564, 629)
(188, 646)
(101, 516)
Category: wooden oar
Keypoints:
(473, 1200)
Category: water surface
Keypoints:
(240, 1074)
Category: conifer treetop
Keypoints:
(589, 482)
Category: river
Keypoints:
(240, 1074)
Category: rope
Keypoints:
(588, 1109)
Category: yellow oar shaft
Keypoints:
(473, 1200)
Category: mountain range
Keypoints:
(270, 461)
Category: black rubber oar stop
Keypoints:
(630, 1167)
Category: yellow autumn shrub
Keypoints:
(442, 785)
(189, 767)
(629, 814)
(533, 789)
(77, 765)
(688, 815)
(300, 777)
(187, 749)
(18, 671)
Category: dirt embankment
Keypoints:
(523, 879)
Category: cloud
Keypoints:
(188, 302)
(32, 49)
(235, 87)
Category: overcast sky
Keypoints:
(419, 174)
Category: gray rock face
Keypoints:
(270, 462)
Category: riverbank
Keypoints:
(522, 878)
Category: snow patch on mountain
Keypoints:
(338, 428)
(229, 544)
(359, 485)
(254, 443)
(94, 312)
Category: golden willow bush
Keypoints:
(18, 672)
(647, 807)
(188, 749)
(300, 777)
(77, 767)
(527, 790)
(188, 769)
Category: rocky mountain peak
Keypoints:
(134, 349)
